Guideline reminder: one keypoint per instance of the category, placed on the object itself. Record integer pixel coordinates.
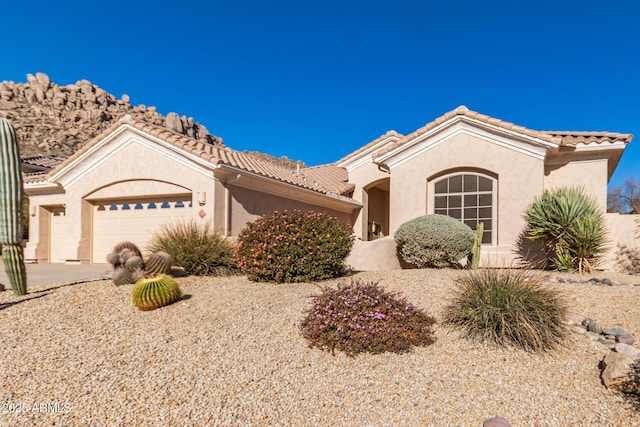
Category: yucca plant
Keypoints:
(570, 225)
(508, 307)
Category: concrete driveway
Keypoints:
(44, 274)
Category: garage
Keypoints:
(134, 220)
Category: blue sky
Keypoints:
(317, 80)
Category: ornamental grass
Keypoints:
(508, 307)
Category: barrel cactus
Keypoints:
(158, 263)
(155, 291)
(11, 199)
(122, 276)
(127, 262)
(129, 266)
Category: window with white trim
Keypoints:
(467, 197)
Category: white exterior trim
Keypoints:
(516, 141)
(117, 141)
(365, 156)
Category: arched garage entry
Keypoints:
(134, 211)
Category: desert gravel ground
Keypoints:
(230, 353)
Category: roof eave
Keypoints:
(336, 201)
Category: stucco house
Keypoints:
(127, 182)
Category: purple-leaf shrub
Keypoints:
(361, 317)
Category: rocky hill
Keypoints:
(58, 120)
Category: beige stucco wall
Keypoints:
(519, 179)
(248, 204)
(578, 171)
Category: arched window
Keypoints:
(467, 197)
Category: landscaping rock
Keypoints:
(625, 349)
(496, 422)
(626, 339)
(578, 329)
(592, 336)
(586, 322)
(1, 287)
(594, 327)
(615, 370)
(572, 319)
(607, 282)
(616, 332)
(610, 343)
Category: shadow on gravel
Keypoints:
(44, 292)
(633, 400)
(11, 304)
(64, 285)
(633, 397)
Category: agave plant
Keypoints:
(570, 225)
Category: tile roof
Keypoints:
(464, 111)
(47, 161)
(390, 134)
(321, 179)
(560, 138)
(572, 139)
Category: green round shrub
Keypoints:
(508, 307)
(361, 317)
(433, 241)
(292, 246)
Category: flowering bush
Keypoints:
(362, 317)
(293, 246)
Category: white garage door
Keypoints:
(136, 221)
(57, 234)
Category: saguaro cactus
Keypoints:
(11, 198)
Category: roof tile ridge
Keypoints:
(583, 132)
(370, 144)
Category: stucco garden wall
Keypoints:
(621, 230)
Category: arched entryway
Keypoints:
(376, 198)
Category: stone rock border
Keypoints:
(616, 365)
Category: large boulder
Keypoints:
(616, 370)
